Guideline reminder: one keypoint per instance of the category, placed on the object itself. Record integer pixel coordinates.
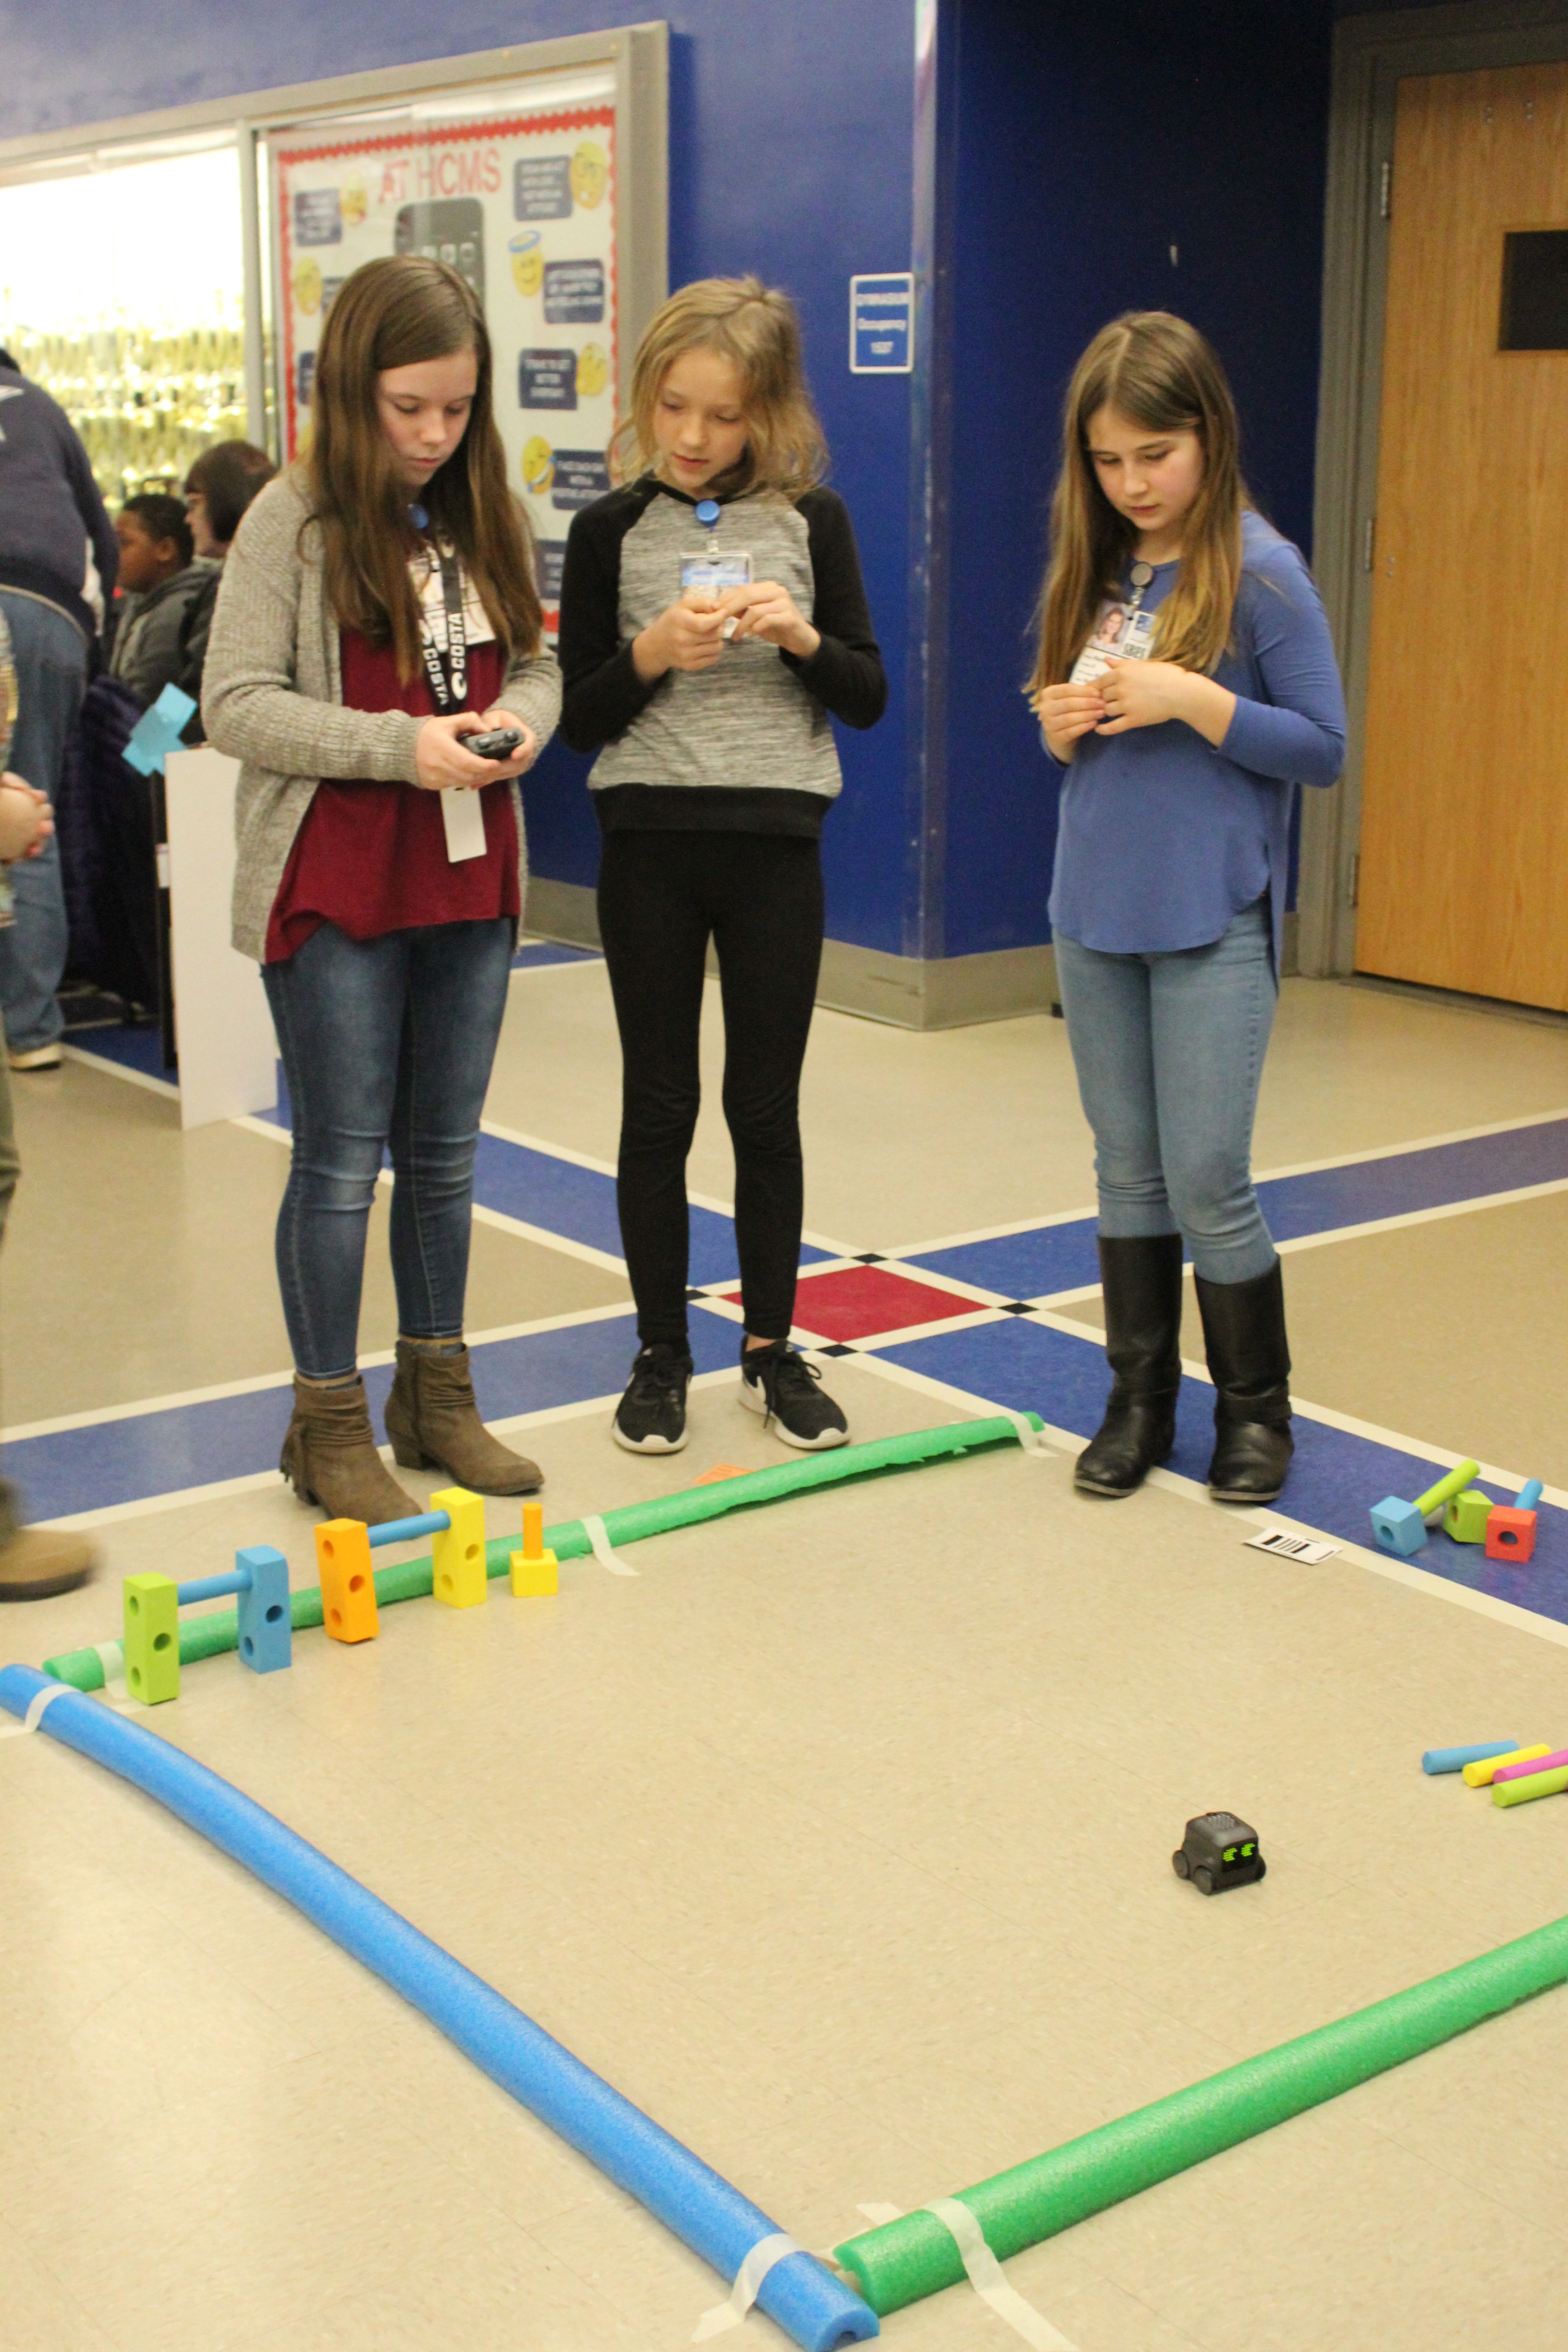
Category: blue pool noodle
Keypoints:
(715, 2220)
(1453, 1759)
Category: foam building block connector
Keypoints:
(1510, 1527)
(348, 1581)
(1453, 1759)
(457, 1575)
(1481, 1773)
(1544, 1783)
(1400, 1527)
(158, 730)
(1550, 1763)
(151, 1638)
(266, 1636)
(534, 1571)
(1465, 1518)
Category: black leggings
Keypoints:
(759, 897)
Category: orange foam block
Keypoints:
(348, 1586)
(720, 1470)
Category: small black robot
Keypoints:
(1219, 1852)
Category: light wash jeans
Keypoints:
(386, 1042)
(1168, 1050)
(50, 654)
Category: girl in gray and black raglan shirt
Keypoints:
(712, 622)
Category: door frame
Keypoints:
(1372, 55)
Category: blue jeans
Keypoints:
(52, 679)
(387, 1044)
(1168, 1050)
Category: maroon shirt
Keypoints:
(371, 857)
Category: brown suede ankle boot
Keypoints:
(330, 1456)
(36, 1563)
(433, 1425)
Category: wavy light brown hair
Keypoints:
(755, 326)
(1159, 373)
(395, 314)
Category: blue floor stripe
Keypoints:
(233, 1437)
(534, 953)
(134, 1049)
(1335, 1478)
(1050, 1258)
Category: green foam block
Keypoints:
(916, 2255)
(208, 1637)
(1534, 1784)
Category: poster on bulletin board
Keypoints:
(523, 203)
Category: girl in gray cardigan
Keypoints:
(378, 606)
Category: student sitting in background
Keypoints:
(218, 489)
(160, 581)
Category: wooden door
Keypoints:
(1464, 845)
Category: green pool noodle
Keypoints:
(410, 1580)
(915, 2257)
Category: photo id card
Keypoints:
(1292, 1547)
(464, 818)
(713, 574)
(1122, 633)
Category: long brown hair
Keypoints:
(395, 314)
(756, 327)
(1159, 373)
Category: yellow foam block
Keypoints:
(457, 1554)
(1479, 1773)
(532, 1574)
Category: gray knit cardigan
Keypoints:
(272, 697)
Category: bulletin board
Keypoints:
(523, 202)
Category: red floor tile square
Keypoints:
(857, 1300)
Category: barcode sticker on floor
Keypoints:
(1289, 1547)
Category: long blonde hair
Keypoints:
(754, 326)
(394, 313)
(1159, 372)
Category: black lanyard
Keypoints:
(448, 676)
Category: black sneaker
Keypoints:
(651, 1417)
(785, 1390)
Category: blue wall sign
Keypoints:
(882, 324)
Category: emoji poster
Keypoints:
(523, 205)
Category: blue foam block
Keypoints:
(714, 2220)
(1453, 1759)
(266, 1632)
(1397, 1526)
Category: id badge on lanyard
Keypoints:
(1125, 632)
(711, 572)
(462, 814)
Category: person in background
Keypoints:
(59, 558)
(161, 581)
(218, 489)
(35, 1563)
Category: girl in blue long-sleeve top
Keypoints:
(1186, 684)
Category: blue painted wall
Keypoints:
(790, 146)
(1084, 150)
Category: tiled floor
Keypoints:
(839, 1836)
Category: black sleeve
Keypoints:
(603, 693)
(846, 672)
(90, 505)
(194, 631)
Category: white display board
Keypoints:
(228, 1055)
(521, 198)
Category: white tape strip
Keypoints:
(748, 2282)
(604, 1551)
(990, 2284)
(112, 1654)
(35, 1715)
(1031, 1439)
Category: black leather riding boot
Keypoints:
(1142, 1283)
(1244, 1337)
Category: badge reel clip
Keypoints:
(710, 570)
